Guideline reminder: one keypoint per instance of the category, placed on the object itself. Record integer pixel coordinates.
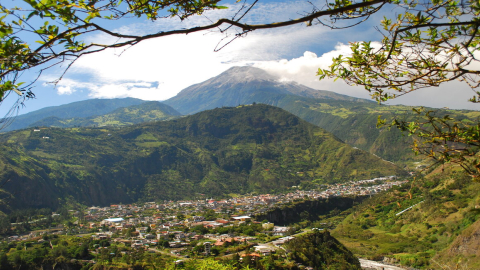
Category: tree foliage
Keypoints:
(39, 34)
(445, 139)
(428, 43)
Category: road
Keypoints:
(378, 265)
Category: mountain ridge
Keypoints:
(84, 108)
(233, 87)
(352, 120)
(144, 112)
(256, 148)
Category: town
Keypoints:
(225, 229)
(156, 221)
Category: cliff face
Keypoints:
(464, 252)
(468, 243)
(310, 210)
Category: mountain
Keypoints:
(244, 85)
(243, 149)
(85, 108)
(353, 120)
(144, 112)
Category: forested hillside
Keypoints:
(353, 120)
(320, 250)
(230, 150)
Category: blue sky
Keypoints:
(158, 69)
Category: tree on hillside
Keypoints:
(41, 34)
(428, 42)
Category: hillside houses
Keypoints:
(173, 221)
(245, 205)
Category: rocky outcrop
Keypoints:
(464, 252)
(309, 209)
(467, 243)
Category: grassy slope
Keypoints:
(145, 112)
(355, 123)
(445, 205)
(85, 108)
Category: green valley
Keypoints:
(352, 120)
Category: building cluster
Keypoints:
(249, 205)
(175, 224)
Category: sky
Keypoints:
(160, 68)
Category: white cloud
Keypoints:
(304, 69)
(172, 62)
(158, 69)
(176, 62)
(65, 90)
(454, 95)
(68, 86)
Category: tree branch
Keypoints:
(245, 27)
(421, 26)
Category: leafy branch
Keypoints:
(66, 23)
